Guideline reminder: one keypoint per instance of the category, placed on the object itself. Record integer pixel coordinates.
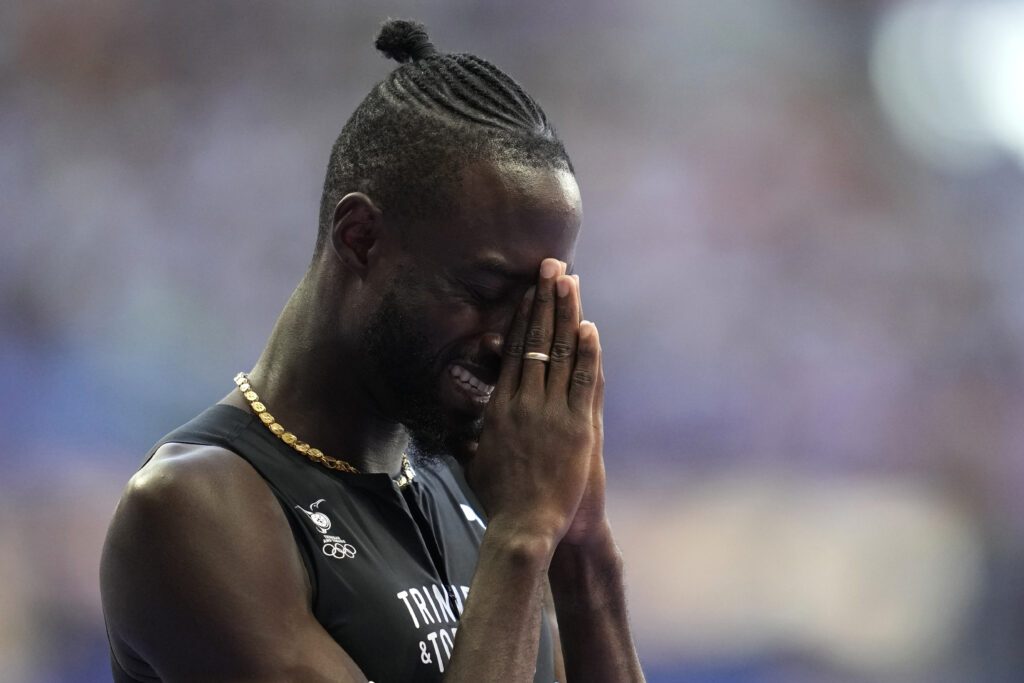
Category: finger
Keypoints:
(564, 343)
(585, 373)
(512, 348)
(598, 416)
(541, 328)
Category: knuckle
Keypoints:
(536, 336)
(561, 350)
(514, 348)
(544, 295)
(580, 436)
(521, 411)
(565, 425)
(583, 378)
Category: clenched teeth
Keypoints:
(471, 381)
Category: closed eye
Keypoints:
(483, 294)
(486, 296)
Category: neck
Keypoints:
(305, 378)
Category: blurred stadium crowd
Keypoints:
(803, 243)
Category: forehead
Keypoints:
(510, 214)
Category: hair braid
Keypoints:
(408, 140)
(481, 99)
(516, 99)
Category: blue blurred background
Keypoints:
(803, 243)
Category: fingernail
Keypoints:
(577, 278)
(562, 285)
(548, 268)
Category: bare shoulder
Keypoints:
(183, 481)
(192, 517)
(189, 499)
(200, 572)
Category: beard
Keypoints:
(398, 346)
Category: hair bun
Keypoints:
(404, 40)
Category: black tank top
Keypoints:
(390, 568)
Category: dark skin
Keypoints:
(485, 285)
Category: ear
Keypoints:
(355, 229)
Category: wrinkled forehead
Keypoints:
(513, 213)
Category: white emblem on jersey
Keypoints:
(472, 516)
(322, 521)
(333, 546)
(339, 549)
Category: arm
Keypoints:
(529, 472)
(590, 603)
(587, 583)
(499, 630)
(201, 578)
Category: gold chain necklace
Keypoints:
(314, 454)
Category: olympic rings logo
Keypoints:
(339, 550)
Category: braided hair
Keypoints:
(407, 142)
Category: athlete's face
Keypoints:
(436, 338)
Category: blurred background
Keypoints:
(803, 243)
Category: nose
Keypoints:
(496, 324)
(492, 343)
(488, 357)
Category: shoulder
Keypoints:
(195, 489)
(193, 525)
(204, 496)
(181, 476)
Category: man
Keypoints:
(283, 534)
